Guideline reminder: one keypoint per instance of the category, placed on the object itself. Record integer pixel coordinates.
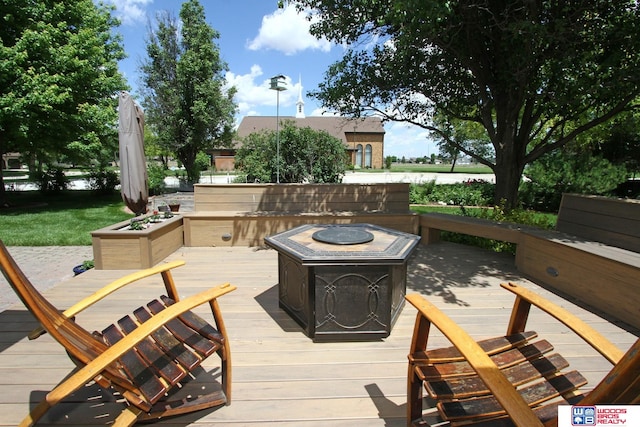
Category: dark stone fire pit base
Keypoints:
(343, 291)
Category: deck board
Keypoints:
(279, 375)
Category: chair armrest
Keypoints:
(592, 337)
(117, 284)
(486, 369)
(97, 365)
(111, 288)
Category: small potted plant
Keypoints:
(87, 264)
(174, 206)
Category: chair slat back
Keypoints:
(78, 342)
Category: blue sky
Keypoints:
(258, 41)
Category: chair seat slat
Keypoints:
(490, 346)
(138, 371)
(184, 333)
(173, 347)
(153, 354)
(533, 394)
(503, 360)
(517, 375)
(544, 413)
(197, 323)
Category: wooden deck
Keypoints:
(280, 377)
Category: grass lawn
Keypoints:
(61, 219)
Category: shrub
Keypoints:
(203, 161)
(103, 181)
(470, 193)
(419, 193)
(51, 180)
(156, 175)
(498, 213)
(566, 172)
(306, 155)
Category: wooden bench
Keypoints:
(431, 224)
(244, 214)
(593, 256)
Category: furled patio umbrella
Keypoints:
(133, 166)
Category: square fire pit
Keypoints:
(343, 282)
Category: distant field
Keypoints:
(410, 167)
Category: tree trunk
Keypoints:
(508, 172)
(453, 162)
(3, 196)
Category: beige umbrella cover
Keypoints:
(133, 166)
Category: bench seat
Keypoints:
(431, 224)
(603, 277)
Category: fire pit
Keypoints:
(343, 282)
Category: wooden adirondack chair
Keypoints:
(509, 380)
(144, 357)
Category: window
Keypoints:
(358, 162)
(367, 156)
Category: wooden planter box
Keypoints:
(116, 248)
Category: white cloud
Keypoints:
(130, 12)
(402, 139)
(253, 91)
(287, 31)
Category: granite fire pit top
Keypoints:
(378, 244)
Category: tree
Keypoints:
(533, 74)
(618, 141)
(466, 134)
(569, 170)
(58, 80)
(184, 95)
(306, 155)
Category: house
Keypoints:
(11, 161)
(363, 138)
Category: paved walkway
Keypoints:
(45, 266)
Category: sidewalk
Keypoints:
(44, 266)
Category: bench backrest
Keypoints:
(614, 222)
(389, 198)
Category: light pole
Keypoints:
(277, 84)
